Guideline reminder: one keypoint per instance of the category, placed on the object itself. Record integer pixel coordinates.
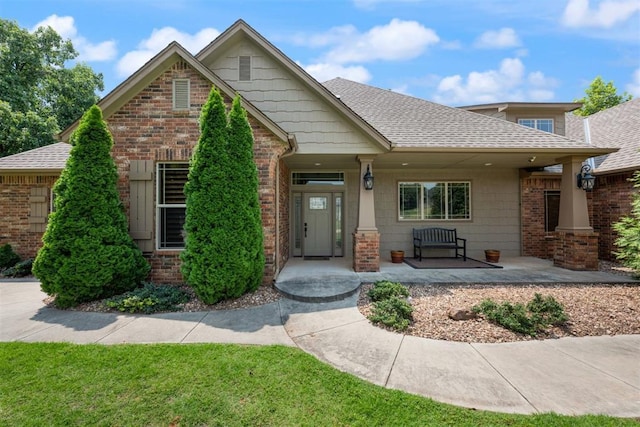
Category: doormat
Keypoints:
(316, 258)
(445, 263)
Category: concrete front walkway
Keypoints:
(598, 375)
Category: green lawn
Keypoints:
(211, 384)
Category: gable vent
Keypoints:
(181, 99)
(244, 67)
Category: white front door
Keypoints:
(318, 224)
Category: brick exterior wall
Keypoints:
(607, 203)
(366, 251)
(536, 242)
(285, 221)
(610, 200)
(576, 250)
(147, 128)
(15, 228)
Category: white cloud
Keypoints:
(508, 83)
(158, 40)
(501, 39)
(398, 40)
(608, 13)
(87, 51)
(634, 87)
(323, 72)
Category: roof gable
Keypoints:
(288, 94)
(156, 66)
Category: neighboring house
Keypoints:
(611, 198)
(433, 165)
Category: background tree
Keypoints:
(223, 256)
(600, 96)
(38, 95)
(628, 229)
(87, 252)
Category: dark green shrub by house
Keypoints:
(87, 253)
(8, 258)
(628, 229)
(223, 256)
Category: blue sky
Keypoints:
(455, 52)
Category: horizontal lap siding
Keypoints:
(495, 211)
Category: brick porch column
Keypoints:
(577, 244)
(366, 239)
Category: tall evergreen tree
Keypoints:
(223, 256)
(87, 252)
(244, 174)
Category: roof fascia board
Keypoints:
(241, 26)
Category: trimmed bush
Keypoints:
(149, 299)
(223, 256)
(540, 313)
(8, 258)
(390, 305)
(21, 269)
(385, 289)
(87, 253)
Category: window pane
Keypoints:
(434, 200)
(551, 210)
(317, 178)
(171, 227)
(545, 125)
(173, 177)
(338, 207)
(458, 193)
(409, 200)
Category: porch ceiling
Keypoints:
(435, 160)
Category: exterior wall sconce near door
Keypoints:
(368, 179)
(585, 180)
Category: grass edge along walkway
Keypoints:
(215, 384)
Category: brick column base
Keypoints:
(366, 251)
(576, 250)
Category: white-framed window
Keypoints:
(443, 201)
(181, 94)
(171, 204)
(540, 124)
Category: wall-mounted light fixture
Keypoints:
(368, 179)
(585, 180)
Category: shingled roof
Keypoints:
(617, 126)
(411, 122)
(50, 158)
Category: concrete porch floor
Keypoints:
(334, 279)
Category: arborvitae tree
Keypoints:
(205, 259)
(87, 252)
(248, 213)
(223, 256)
(628, 229)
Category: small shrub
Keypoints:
(546, 310)
(385, 289)
(21, 269)
(8, 258)
(537, 315)
(149, 299)
(395, 312)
